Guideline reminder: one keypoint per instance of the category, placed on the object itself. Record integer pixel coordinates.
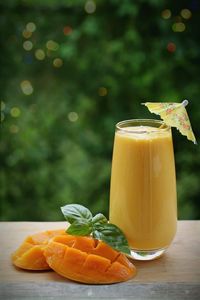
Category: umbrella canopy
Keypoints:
(174, 115)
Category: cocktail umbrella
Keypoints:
(174, 115)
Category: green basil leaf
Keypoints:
(80, 227)
(74, 212)
(112, 235)
(99, 218)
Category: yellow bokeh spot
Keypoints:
(26, 87)
(31, 27)
(15, 112)
(166, 14)
(2, 105)
(14, 129)
(186, 13)
(51, 45)
(27, 45)
(39, 54)
(178, 27)
(90, 6)
(72, 116)
(102, 91)
(57, 62)
(26, 34)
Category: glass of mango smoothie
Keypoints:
(143, 186)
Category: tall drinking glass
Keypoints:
(143, 186)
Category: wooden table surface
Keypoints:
(176, 275)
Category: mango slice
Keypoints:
(30, 254)
(86, 260)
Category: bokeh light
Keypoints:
(26, 87)
(90, 6)
(72, 116)
(15, 112)
(39, 54)
(178, 27)
(166, 14)
(51, 45)
(67, 30)
(27, 45)
(14, 129)
(26, 34)
(186, 13)
(31, 27)
(57, 62)
(102, 91)
(171, 47)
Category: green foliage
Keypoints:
(58, 150)
(83, 223)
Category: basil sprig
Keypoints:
(83, 223)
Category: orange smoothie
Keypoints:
(143, 185)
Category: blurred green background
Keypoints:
(69, 71)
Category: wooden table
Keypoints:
(176, 275)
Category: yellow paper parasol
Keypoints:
(174, 115)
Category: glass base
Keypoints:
(146, 254)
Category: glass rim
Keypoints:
(162, 128)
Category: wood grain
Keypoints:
(176, 275)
